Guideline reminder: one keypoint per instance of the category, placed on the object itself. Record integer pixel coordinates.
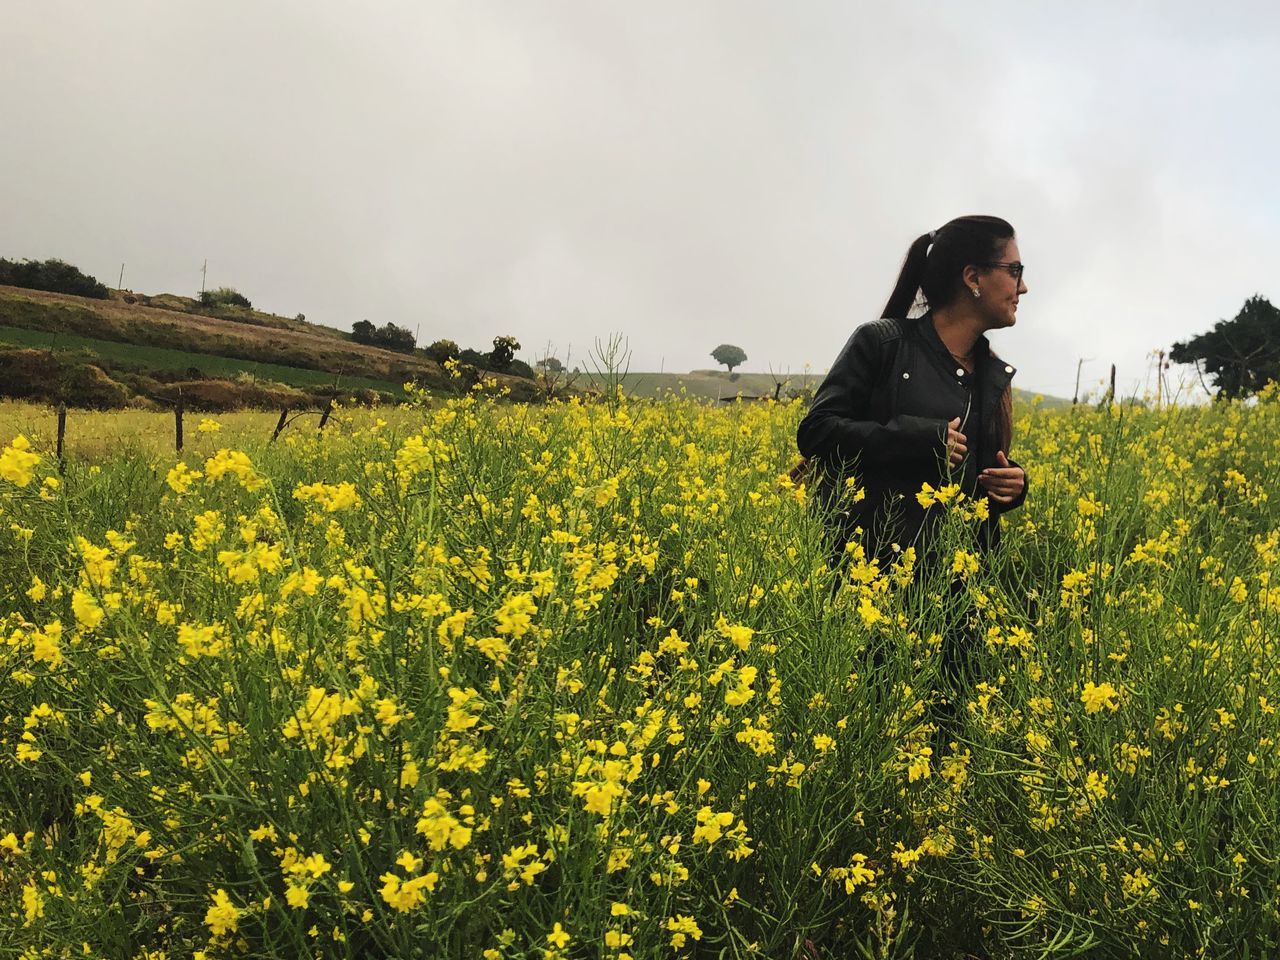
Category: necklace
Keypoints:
(957, 356)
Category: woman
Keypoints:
(924, 400)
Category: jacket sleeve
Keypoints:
(838, 427)
(1001, 508)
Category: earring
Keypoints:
(975, 292)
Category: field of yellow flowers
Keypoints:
(471, 679)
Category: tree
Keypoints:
(504, 351)
(388, 335)
(442, 351)
(395, 338)
(1240, 354)
(55, 276)
(550, 364)
(729, 355)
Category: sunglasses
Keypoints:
(1015, 268)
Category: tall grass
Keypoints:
(570, 681)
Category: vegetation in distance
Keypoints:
(549, 682)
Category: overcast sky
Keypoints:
(684, 173)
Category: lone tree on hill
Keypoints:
(504, 351)
(1241, 354)
(729, 355)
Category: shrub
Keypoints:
(442, 351)
(395, 338)
(43, 376)
(53, 276)
(388, 336)
(224, 297)
(504, 351)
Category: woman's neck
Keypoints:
(958, 329)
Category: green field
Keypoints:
(717, 385)
(140, 359)
(568, 681)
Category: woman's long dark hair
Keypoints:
(934, 268)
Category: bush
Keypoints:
(53, 276)
(395, 338)
(442, 351)
(224, 297)
(388, 336)
(518, 368)
(504, 351)
(45, 377)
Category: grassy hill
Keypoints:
(139, 339)
(717, 385)
(132, 356)
(173, 323)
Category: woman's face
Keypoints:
(999, 291)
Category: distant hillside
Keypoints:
(164, 335)
(252, 336)
(717, 385)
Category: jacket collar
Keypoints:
(996, 372)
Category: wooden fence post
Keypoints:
(284, 415)
(177, 424)
(62, 435)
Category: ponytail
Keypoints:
(935, 274)
(909, 279)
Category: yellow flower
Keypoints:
(224, 916)
(1095, 697)
(201, 641)
(964, 564)
(17, 461)
(558, 937)
(85, 607)
(407, 894)
(181, 477)
(297, 895)
(681, 927)
(32, 903)
(711, 825)
(236, 463)
(341, 496)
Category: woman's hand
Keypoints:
(956, 443)
(1003, 483)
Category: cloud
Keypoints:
(684, 174)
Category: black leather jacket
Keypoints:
(881, 415)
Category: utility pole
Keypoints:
(120, 283)
(203, 272)
(1112, 397)
(1159, 378)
